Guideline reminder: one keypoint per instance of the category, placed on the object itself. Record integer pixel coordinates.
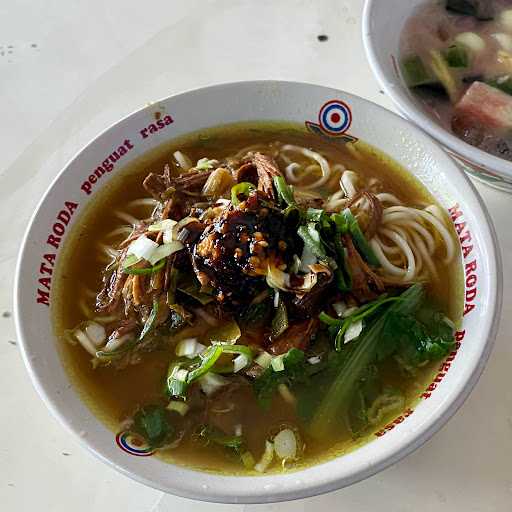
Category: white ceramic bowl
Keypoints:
(299, 103)
(383, 21)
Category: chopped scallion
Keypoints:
(359, 239)
(266, 458)
(146, 270)
(277, 363)
(284, 190)
(241, 189)
(178, 406)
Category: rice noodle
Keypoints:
(408, 237)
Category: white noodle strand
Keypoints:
(126, 217)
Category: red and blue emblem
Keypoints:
(334, 120)
(133, 444)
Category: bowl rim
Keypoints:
(417, 115)
(268, 491)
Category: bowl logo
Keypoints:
(133, 444)
(334, 120)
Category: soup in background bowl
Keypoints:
(446, 64)
(259, 310)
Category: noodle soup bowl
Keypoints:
(383, 23)
(327, 113)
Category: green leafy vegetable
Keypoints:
(191, 287)
(320, 217)
(241, 190)
(294, 372)
(415, 343)
(256, 315)
(342, 273)
(359, 239)
(284, 191)
(311, 238)
(341, 325)
(214, 435)
(152, 423)
(503, 83)
(337, 398)
(366, 391)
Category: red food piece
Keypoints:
(490, 106)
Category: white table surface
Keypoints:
(67, 71)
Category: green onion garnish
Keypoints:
(284, 190)
(241, 189)
(359, 239)
(148, 270)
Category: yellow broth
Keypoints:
(114, 395)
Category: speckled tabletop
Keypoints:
(68, 70)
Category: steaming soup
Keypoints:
(254, 298)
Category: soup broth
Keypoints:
(230, 427)
(457, 58)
